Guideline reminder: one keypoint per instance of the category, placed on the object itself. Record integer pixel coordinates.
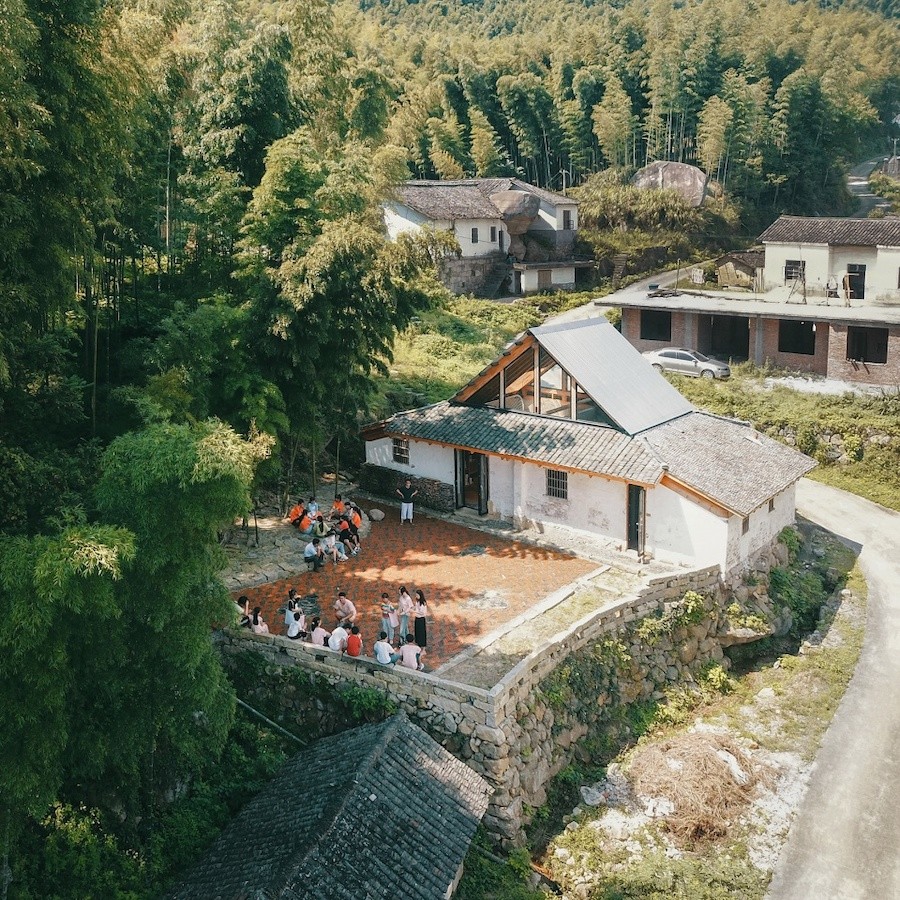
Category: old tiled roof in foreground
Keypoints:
(561, 443)
(847, 232)
(380, 811)
(728, 461)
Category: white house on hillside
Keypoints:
(851, 259)
(572, 430)
(506, 229)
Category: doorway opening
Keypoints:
(637, 498)
(472, 481)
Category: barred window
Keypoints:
(794, 270)
(557, 484)
(401, 450)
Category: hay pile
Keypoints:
(704, 782)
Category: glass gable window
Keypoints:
(555, 394)
(488, 394)
(519, 376)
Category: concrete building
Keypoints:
(829, 304)
(573, 433)
(513, 237)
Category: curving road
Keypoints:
(845, 841)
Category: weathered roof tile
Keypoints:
(846, 232)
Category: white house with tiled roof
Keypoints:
(505, 227)
(850, 259)
(827, 303)
(572, 431)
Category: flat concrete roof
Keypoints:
(772, 305)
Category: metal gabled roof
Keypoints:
(619, 380)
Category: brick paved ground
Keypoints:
(473, 581)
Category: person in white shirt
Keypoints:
(384, 652)
(297, 628)
(338, 639)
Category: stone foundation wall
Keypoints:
(383, 482)
(524, 731)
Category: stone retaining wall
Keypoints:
(384, 482)
(515, 735)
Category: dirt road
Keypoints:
(845, 842)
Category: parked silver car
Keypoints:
(686, 362)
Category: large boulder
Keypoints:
(689, 181)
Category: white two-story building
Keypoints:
(510, 233)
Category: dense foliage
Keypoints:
(196, 294)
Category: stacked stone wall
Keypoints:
(383, 482)
(515, 735)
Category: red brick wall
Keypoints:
(865, 373)
(818, 363)
(631, 330)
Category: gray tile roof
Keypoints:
(726, 460)
(848, 232)
(377, 812)
(562, 443)
(467, 198)
(630, 391)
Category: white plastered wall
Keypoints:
(462, 228)
(680, 530)
(425, 460)
(816, 257)
(764, 525)
(559, 276)
(885, 279)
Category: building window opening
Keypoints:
(474, 235)
(656, 325)
(794, 270)
(555, 393)
(401, 451)
(557, 484)
(567, 220)
(771, 504)
(796, 337)
(745, 525)
(867, 344)
(493, 234)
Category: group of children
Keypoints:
(337, 538)
(396, 642)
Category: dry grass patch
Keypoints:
(708, 780)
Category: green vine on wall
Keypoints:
(690, 610)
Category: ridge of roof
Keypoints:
(832, 230)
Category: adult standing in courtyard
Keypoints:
(407, 493)
(421, 615)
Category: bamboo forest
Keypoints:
(198, 301)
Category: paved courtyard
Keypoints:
(474, 582)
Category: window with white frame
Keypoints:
(401, 450)
(474, 235)
(567, 220)
(493, 234)
(557, 484)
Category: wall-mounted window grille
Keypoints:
(401, 450)
(557, 484)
